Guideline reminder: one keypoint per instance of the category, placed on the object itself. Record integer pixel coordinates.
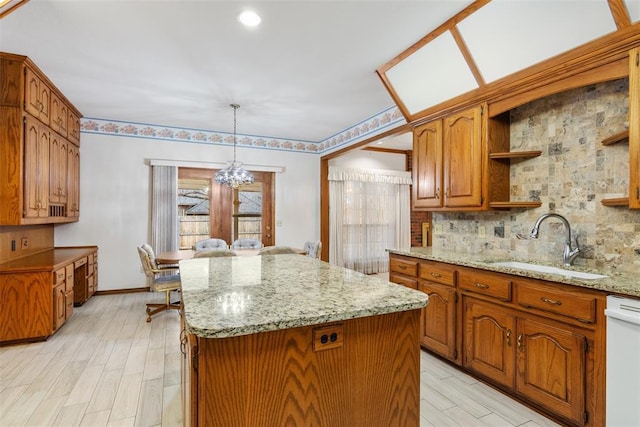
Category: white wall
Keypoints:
(115, 198)
(360, 159)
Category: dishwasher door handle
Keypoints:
(623, 315)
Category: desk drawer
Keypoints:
(402, 266)
(438, 272)
(551, 299)
(59, 276)
(485, 283)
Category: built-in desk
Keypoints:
(291, 340)
(38, 292)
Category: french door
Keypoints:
(208, 209)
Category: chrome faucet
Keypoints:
(569, 254)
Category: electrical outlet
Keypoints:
(25, 243)
(482, 231)
(438, 229)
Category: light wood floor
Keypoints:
(108, 367)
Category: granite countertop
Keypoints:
(232, 296)
(617, 282)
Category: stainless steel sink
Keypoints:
(549, 270)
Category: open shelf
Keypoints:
(618, 137)
(511, 205)
(515, 155)
(620, 201)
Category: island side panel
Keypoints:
(276, 378)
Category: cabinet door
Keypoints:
(634, 128)
(36, 170)
(462, 151)
(551, 367)
(59, 115)
(73, 181)
(438, 331)
(488, 341)
(74, 128)
(58, 160)
(59, 305)
(427, 165)
(37, 97)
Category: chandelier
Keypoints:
(234, 176)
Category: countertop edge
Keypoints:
(300, 322)
(616, 282)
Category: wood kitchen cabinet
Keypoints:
(36, 174)
(438, 332)
(634, 128)
(462, 163)
(59, 118)
(37, 96)
(447, 170)
(37, 291)
(438, 318)
(58, 170)
(542, 342)
(40, 134)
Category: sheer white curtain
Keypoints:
(164, 208)
(369, 212)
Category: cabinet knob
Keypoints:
(437, 193)
(481, 285)
(435, 274)
(509, 337)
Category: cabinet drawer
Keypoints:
(409, 282)
(60, 276)
(409, 268)
(484, 283)
(437, 272)
(560, 301)
(80, 262)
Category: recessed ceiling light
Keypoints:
(249, 18)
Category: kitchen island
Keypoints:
(290, 340)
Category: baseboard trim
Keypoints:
(122, 291)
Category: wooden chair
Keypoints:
(276, 250)
(313, 249)
(159, 283)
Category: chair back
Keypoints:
(148, 268)
(151, 254)
(209, 253)
(276, 250)
(313, 249)
(211, 244)
(246, 244)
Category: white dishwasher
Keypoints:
(623, 362)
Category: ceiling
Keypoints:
(306, 73)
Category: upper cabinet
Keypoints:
(447, 171)
(40, 134)
(634, 128)
(461, 162)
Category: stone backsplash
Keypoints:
(573, 174)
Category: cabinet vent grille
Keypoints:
(57, 210)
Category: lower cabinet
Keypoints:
(542, 362)
(542, 342)
(35, 304)
(439, 319)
